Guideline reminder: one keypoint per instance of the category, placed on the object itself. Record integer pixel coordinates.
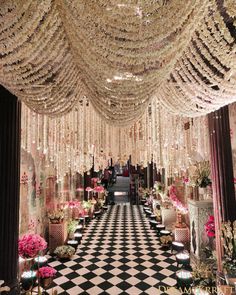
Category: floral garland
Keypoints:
(120, 55)
(175, 201)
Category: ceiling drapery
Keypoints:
(119, 55)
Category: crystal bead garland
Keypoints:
(67, 145)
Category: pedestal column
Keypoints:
(9, 187)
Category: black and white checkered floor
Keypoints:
(119, 254)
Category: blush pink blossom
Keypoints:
(46, 272)
(30, 245)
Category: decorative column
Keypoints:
(9, 187)
(199, 211)
(222, 172)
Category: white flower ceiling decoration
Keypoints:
(121, 55)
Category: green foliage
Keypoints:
(71, 227)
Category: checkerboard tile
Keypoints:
(119, 254)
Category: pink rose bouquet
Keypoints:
(46, 272)
(30, 245)
(210, 227)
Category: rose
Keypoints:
(30, 245)
(210, 227)
(46, 272)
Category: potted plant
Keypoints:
(229, 243)
(200, 179)
(56, 216)
(71, 228)
(64, 252)
(166, 241)
(201, 174)
(203, 275)
(46, 275)
(87, 205)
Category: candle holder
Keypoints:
(159, 227)
(73, 243)
(184, 278)
(183, 259)
(177, 246)
(81, 220)
(28, 279)
(105, 208)
(153, 217)
(79, 228)
(164, 232)
(78, 237)
(153, 224)
(97, 214)
(40, 261)
(143, 201)
(148, 213)
(87, 219)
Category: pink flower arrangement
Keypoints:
(30, 245)
(210, 227)
(99, 189)
(175, 201)
(46, 272)
(74, 204)
(88, 189)
(185, 180)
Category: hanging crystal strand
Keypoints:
(90, 121)
(44, 134)
(159, 142)
(33, 128)
(76, 139)
(79, 143)
(52, 141)
(23, 129)
(59, 147)
(206, 138)
(85, 141)
(83, 135)
(29, 130)
(39, 122)
(62, 150)
(149, 134)
(54, 147)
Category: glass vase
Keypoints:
(45, 282)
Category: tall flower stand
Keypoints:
(57, 235)
(168, 216)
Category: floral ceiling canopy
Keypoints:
(121, 55)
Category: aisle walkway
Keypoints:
(119, 191)
(121, 185)
(119, 255)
